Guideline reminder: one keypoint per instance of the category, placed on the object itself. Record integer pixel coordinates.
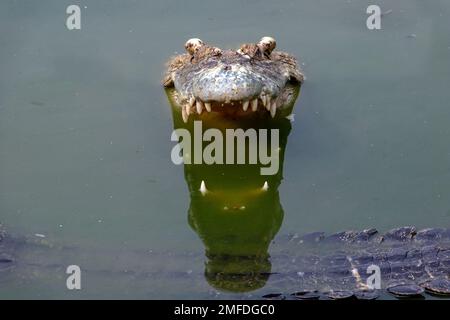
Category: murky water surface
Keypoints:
(85, 138)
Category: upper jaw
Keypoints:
(245, 106)
(261, 106)
(237, 92)
(233, 82)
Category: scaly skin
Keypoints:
(299, 267)
(241, 82)
(409, 261)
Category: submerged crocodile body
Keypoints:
(253, 79)
(409, 261)
(314, 266)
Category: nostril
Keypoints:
(226, 67)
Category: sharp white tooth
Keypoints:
(199, 106)
(191, 101)
(255, 104)
(268, 103)
(184, 114)
(263, 99)
(245, 105)
(208, 106)
(265, 187)
(273, 109)
(203, 189)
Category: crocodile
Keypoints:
(255, 79)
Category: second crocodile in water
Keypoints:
(254, 78)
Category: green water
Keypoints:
(85, 132)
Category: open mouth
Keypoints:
(264, 105)
(240, 107)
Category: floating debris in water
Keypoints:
(386, 12)
(37, 103)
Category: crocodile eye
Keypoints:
(267, 44)
(192, 45)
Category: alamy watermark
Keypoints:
(373, 22)
(374, 280)
(73, 21)
(233, 143)
(73, 281)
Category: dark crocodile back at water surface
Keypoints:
(413, 263)
(407, 257)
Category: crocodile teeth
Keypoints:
(208, 106)
(191, 101)
(268, 103)
(254, 104)
(184, 114)
(273, 109)
(265, 187)
(245, 105)
(263, 99)
(203, 189)
(188, 110)
(199, 106)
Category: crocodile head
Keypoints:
(255, 79)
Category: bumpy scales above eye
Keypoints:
(192, 45)
(267, 45)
